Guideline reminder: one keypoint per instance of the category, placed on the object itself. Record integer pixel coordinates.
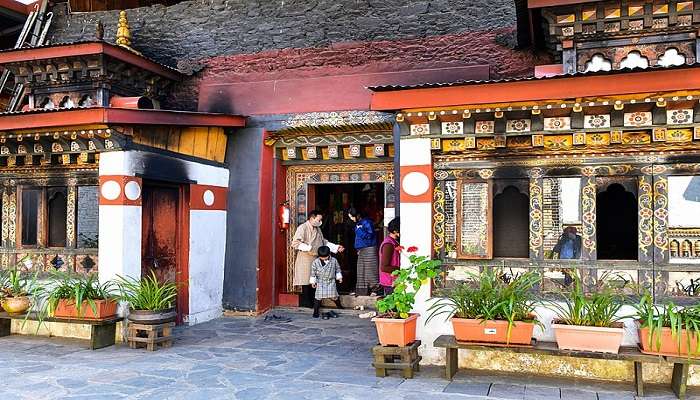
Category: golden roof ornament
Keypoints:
(123, 32)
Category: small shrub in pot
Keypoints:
(150, 300)
(668, 329)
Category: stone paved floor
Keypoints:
(249, 358)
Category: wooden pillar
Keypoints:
(588, 216)
(536, 217)
(646, 221)
(661, 252)
(71, 216)
(439, 220)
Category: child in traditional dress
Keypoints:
(325, 270)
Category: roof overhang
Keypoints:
(558, 87)
(17, 7)
(41, 119)
(87, 49)
(553, 3)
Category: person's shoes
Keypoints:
(326, 315)
(333, 314)
(315, 314)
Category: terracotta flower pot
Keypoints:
(105, 309)
(476, 330)
(395, 331)
(16, 305)
(589, 338)
(669, 343)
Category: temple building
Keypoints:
(603, 144)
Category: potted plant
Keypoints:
(395, 323)
(491, 308)
(16, 290)
(79, 296)
(668, 329)
(150, 301)
(588, 322)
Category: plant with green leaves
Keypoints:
(148, 293)
(76, 288)
(598, 309)
(15, 283)
(408, 281)
(668, 315)
(490, 295)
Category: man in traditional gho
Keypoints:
(307, 240)
(325, 270)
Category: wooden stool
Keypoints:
(405, 358)
(150, 335)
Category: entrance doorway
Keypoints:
(334, 200)
(162, 238)
(616, 221)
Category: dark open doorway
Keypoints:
(616, 222)
(511, 219)
(334, 200)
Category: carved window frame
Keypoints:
(460, 218)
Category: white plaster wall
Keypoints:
(682, 212)
(207, 251)
(119, 251)
(415, 151)
(131, 162)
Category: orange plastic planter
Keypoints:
(476, 330)
(669, 344)
(588, 338)
(67, 309)
(394, 331)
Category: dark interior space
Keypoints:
(616, 224)
(334, 200)
(511, 219)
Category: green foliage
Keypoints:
(77, 288)
(490, 295)
(408, 281)
(147, 293)
(655, 317)
(599, 309)
(15, 283)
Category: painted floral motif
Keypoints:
(557, 142)
(557, 123)
(500, 140)
(484, 127)
(453, 128)
(518, 125)
(333, 151)
(642, 118)
(420, 129)
(677, 117)
(579, 138)
(597, 139)
(470, 142)
(537, 140)
(291, 152)
(596, 121)
(311, 152)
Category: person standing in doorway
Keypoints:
(389, 257)
(307, 239)
(325, 270)
(366, 246)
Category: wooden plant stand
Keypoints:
(150, 335)
(405, 358)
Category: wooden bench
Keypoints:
(102, 332)
(627, 353)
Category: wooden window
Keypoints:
(474, 225)
(511, 217)
(87, 216)
(43, 216)
(56, 205)
(29, 216)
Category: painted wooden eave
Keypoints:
(38, 119)
(531, 89)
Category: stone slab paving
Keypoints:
(249, 358)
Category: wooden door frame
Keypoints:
(182, 271)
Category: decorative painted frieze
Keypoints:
(640, 118)
(420, 129)
(484, 127)
(557, 123)
(596, 121)
(518, 125)
(679, 117)
(453, 128)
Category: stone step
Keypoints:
(351, 301)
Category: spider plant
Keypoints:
(77, 289)
(15, 283)
(147, 293)
(490, 295)
(599, 309)
(656, 317)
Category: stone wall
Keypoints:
(262, 40)
(192, 30)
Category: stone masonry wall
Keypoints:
(258, 40)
